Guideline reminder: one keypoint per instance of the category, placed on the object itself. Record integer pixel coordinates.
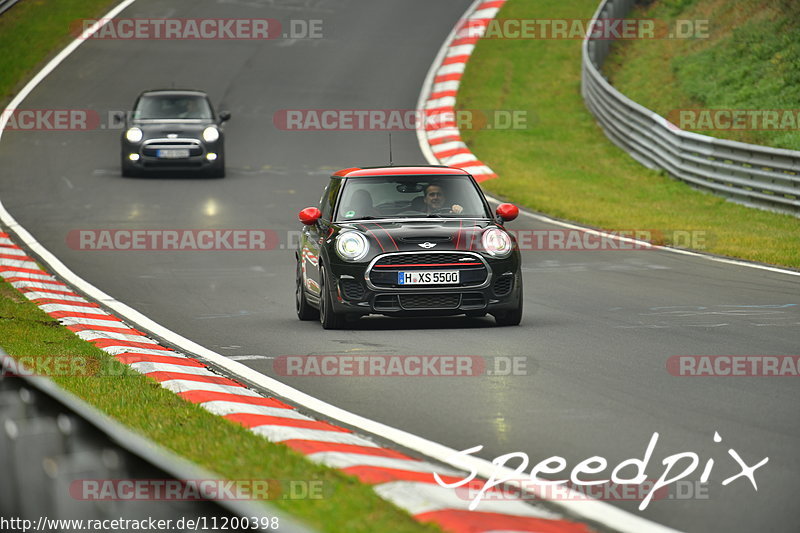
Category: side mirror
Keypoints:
(309, 216)
(224, 116)
(507, 212)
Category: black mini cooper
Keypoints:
(406, 241)
(173, 130)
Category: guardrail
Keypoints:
(758, 176)
(50, 439)
(5, 5)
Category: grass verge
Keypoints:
(563, 164)
(750, 59)
(208, 440)
(34, 30)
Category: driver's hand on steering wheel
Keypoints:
(456, 208)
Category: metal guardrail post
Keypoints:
(750, 174)
(50, 438)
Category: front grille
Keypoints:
(503, 285)
(151, 148)
(430, 301)
(352, 289)
(472, 270)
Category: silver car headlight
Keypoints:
(210, 134)
(497, 243)
(134, 135)
(352, 246)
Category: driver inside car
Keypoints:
(435, 200)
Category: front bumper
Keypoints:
(352, 292)
(197, 159)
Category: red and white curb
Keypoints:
(442, 135)
(403, 480)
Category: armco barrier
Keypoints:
(50, 438)
(5, 5)
(750, 174)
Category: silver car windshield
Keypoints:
(172, 106)
(410, 197)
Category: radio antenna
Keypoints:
(390, 150)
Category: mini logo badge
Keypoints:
(427, 245)
(172, 135)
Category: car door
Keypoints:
(314, 236)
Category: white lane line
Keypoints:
(421, 498)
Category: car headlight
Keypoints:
(210, 134)
(496, 242)
(352, 246)
(134, 135)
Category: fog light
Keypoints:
(211, 156)
(133, 157)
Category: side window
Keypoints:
(328, 200)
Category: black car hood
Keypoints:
(181, 129)
(417, 235)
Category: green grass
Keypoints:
(750, 60)
(34, 30)
(211, 441)
(562, 164)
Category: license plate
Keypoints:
(172, 154)
(442, 277)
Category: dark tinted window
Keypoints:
(405, 197)
(328, 200)
(165, 106)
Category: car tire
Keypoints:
(327, 316)
(304, 309)
(511, 317)
(128, 170)
(218, 169)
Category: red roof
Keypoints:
(399, 171)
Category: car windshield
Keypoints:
(172, 106)
(410, 197)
